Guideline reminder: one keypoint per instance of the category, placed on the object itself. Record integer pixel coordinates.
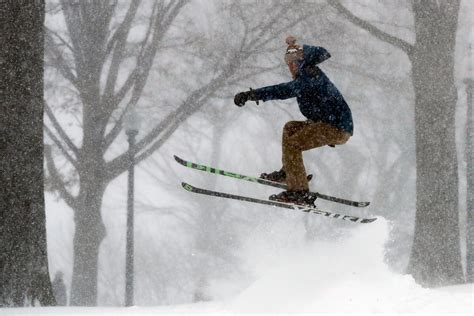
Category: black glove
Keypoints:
(242, 97)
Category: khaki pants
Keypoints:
(299, 136)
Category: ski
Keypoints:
(221, 172)
(306, 209)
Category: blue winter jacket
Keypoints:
(318, 98)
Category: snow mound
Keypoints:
(344, 276)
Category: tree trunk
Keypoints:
(24, 278)
(436, 255)
(469, 183)
(90, 231)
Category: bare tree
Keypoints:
(24, 278)
(95, 49)
(435, 258)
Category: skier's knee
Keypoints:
(291, 125)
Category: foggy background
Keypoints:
(191, 248)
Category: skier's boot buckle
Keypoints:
(304, 198)
(275, 176)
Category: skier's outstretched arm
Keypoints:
(280, 91)
(276, 92)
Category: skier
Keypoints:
(329, 119)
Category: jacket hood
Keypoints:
(314, 55)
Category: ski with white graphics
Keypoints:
(307, 209)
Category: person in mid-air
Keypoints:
(329, 118)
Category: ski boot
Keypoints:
(275, 176)
(279, 176)
(303, 197)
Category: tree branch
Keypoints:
(57, 182)
(170, 123)
(119, 39)
(59, 129)
(129, 83)
(115, 131)
(73, 23)
(381, 35)
(59, 62)
(137, 79)
(61, 39)
(133, 77)
(60, 146)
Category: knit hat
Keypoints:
(293, 51)
(294, 54)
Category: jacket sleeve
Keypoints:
(277, 92)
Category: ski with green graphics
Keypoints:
(234, 175)
(306, 209)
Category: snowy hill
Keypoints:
(345, 276)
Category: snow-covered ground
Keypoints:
(344, 276)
